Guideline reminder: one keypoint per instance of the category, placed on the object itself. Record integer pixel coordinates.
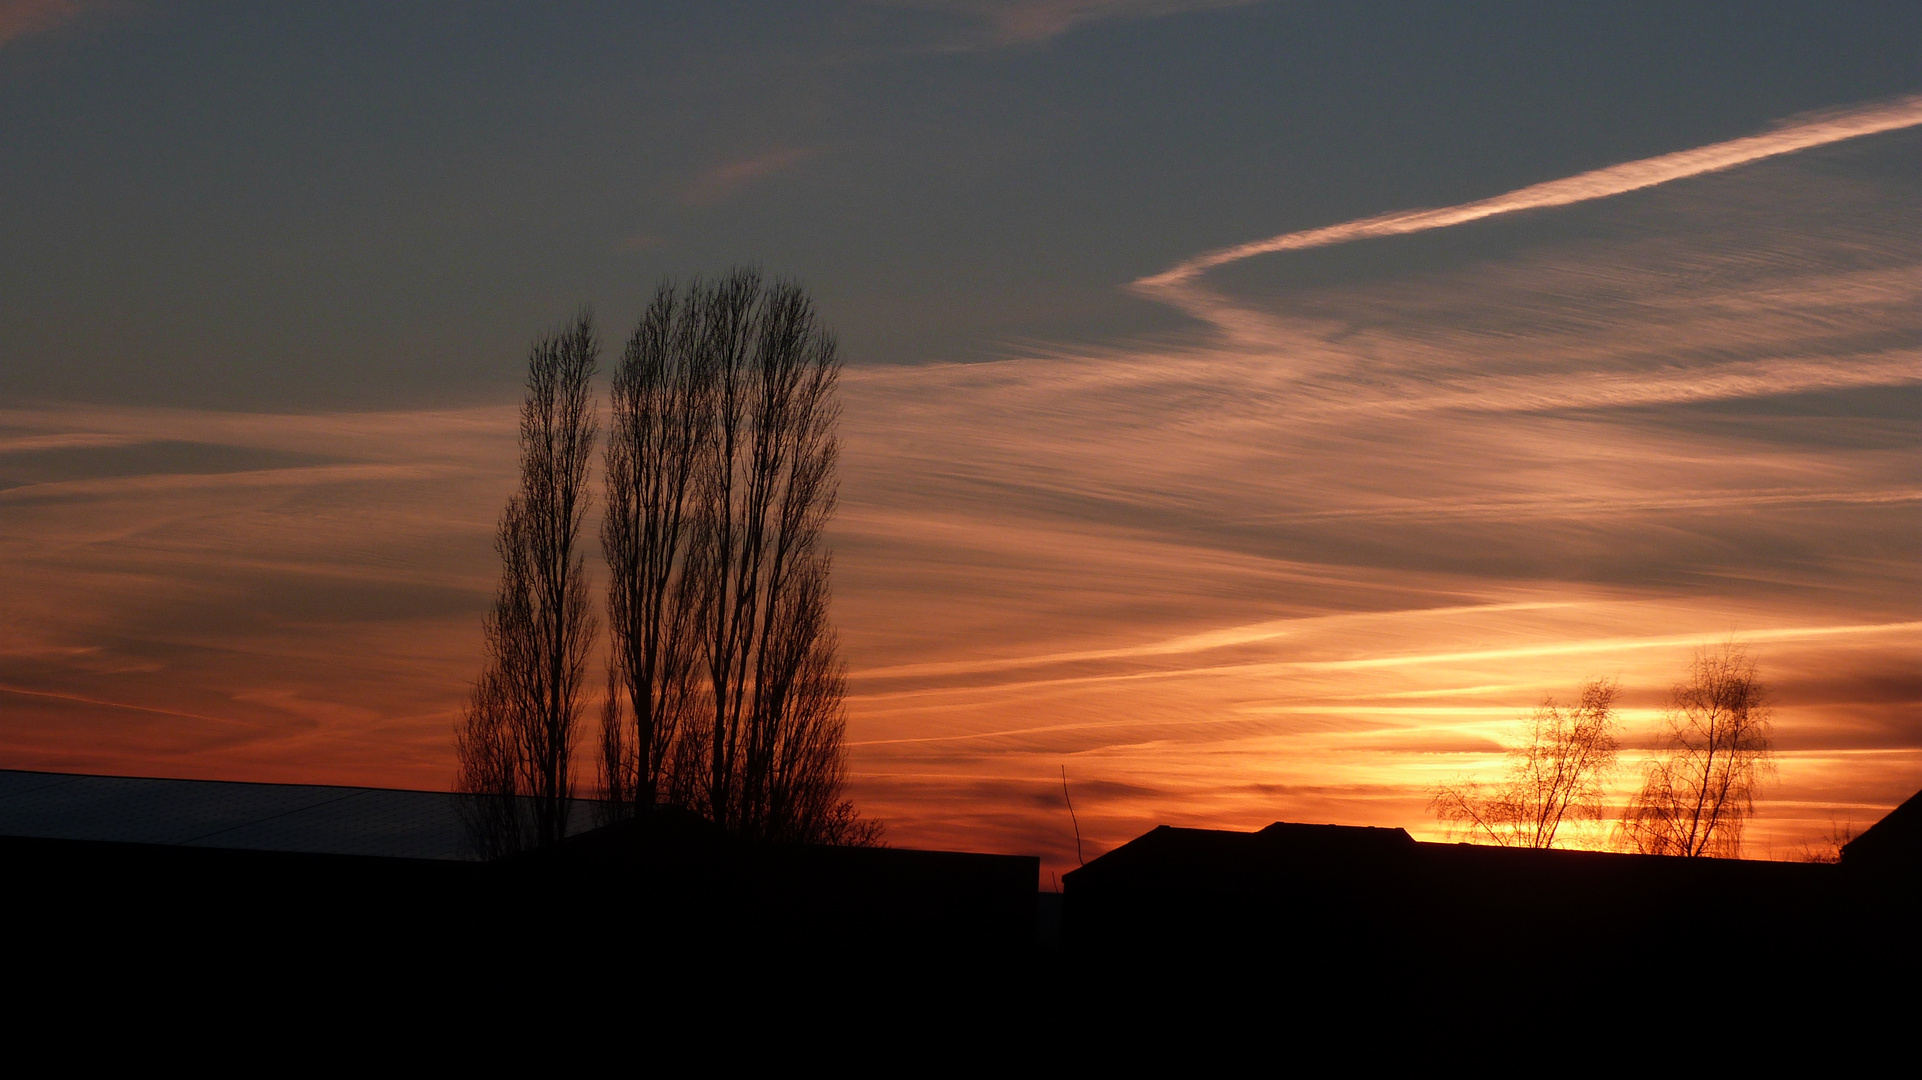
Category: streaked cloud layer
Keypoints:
(1310, 569)
(269, 276)
(1304, 571)
(1832, 127)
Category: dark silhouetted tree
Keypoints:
(1699, 788)
(721, 474)
(517, 735)
(487, 745)
(660, 431)
(1829, 848)
(1555, 776)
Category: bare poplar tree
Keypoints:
(518, 732)
(721, 478)
(489, 772)
(660, 433)
(1699, 789)
(775, 757)
(1554, 776)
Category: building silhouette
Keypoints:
(206, 873)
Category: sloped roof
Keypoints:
(1895, 842)
(1171, 850)
(226, 814)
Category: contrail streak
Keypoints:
(1599, 184)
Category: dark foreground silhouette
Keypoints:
(281, 877)
(155, 872)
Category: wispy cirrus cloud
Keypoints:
(1175, 284)
(21, 19)
(1304, 572)
(1023, 22)
(179, 581)
(722, 182)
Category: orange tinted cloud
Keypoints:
(723, 181)
(1304, 573)
(221, 594)
(1309, 571)
(1020, 22)
(21, 18)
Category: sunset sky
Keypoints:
(1252, 409)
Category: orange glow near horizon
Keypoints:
(1303, 571)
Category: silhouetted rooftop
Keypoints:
(1894, 843)
(227, 814)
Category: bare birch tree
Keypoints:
(1699, 789)
(517, 737)
(1555, 776)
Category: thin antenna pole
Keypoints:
(1077, 821)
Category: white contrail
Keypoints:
(1599, 184)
